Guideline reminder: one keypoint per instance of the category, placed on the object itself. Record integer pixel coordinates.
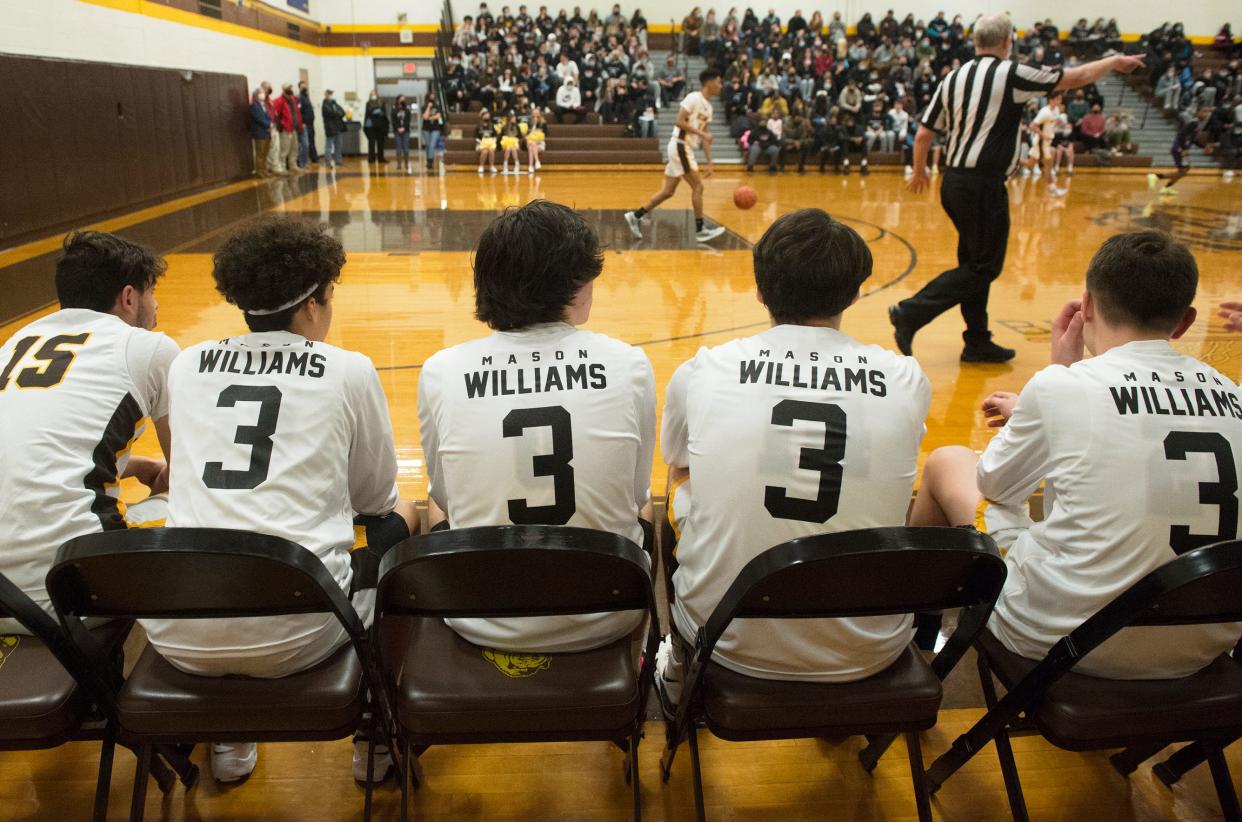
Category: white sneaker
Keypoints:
(1228, 175)
(632, 222)
(480, 169)
(1026, 172)
(1152, 181)
(909, 171)
(530, 170)
(494, 170)
(383, 762)
(538, 165)
(1056, 191)
(935, 170)
(668, 691)
(708, 234)
(231, 761)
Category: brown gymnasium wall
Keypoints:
(82, 140)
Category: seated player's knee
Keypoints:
(949, 463)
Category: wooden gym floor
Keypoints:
(406, 292)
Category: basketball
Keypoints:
(744, 197)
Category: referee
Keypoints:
(977, 110)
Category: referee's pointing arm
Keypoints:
(994, 37)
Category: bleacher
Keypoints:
(584, 143)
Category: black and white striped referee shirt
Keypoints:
(977, 110)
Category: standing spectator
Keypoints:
(333, 128)
(433, 127)
(275, 160)
(797, 137)
(260, 132)
(375, 126)
(402, 121)
(691, 25)
(306, 137)
(288, 115)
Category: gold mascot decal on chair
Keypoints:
(517, 665)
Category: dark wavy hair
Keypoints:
(808, 266)
(270, 261)
(1143, 279)
(97, 266)
(530, 262)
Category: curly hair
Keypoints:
(97, 266)
(530, 263)
(272, 260)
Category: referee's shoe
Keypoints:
(980, 351)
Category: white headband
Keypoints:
(263, 312)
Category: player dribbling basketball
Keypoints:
(693, 118)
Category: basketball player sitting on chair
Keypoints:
(542, 422)
(798, 430)
(76, 390)
(693, 118)
(283, 435)
(1138, 447)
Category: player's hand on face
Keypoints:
(1232, 314)
(1067, 339)
(998, 407)
(918, 183)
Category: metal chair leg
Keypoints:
(635, 784)
(1182, 760)
(1009, 770)
(699, 807)
(403, 762)
(1224, 784)
(366, 801)
(142, 773)
(921, 797)
(876, 747)
(103, 781)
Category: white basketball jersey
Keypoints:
(1140, 449)
(792, 432)
(550, 425)
(275, 434)
(700, 117)
(76, 388)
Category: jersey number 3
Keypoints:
(555, 465)
(826, 460)
(257, 436)
(1223, 493)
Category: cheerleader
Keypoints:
(534, 130)
(510, 140)
(485, 141)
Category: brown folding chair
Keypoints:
(191, 573)
(1085, 713)
(448, 692)
(868, 572)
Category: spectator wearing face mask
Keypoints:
(569, 102)
(260, 132)
(288, 116)
(307, 152)
(333, 128)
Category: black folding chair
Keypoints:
(449, 692)
(188, 573)
(872, 572)
(1082, 713)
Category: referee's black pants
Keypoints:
(978, 205)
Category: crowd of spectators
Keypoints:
(1203, 90)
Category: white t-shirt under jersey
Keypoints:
(549, 425)
(76, 389)
(700, 117)
(743, 416)
(276, 434)
(1139, 448)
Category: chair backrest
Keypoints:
(89, 666)
(1199, 587)
(192, 573)
(867, 572)
(514, 570)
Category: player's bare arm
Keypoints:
(922, 143)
